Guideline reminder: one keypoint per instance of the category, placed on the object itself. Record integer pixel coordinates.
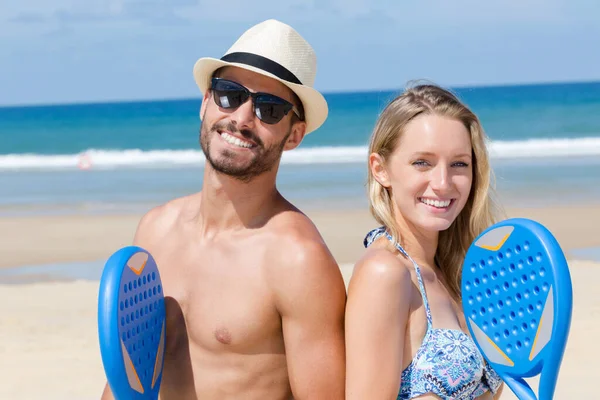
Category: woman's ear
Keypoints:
(377, 165)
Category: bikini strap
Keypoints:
(374, 235)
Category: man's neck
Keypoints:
(229, 204)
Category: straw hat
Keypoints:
(276, 50)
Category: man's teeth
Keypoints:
(235, 141)
(436, 203)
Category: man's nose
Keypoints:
(244, 116)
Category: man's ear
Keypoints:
(205, 101)
(296, 135)
(377, 166)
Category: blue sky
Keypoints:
(64, 51)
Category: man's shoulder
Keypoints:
(162, 212)
(300, 265)
(295, 234)
(161, 217)
(297, 247)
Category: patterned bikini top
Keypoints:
(448, 362)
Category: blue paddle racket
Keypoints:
(131, 324)
(517, 299)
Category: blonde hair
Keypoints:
(480, 211)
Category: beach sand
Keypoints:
(48, 329)
(69, 238)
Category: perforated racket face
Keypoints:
(141, 317)
(131, 317)
(509, 287)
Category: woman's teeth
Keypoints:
(235, 141)
(436, 203)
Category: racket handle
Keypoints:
(520, 388)
(548, 379)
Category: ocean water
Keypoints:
(545, 147)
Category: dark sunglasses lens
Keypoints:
(271, 109)
(228, 94)
(229, 98)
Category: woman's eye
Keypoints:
(461, 164)
(420, 163)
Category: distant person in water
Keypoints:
(254, 298)
(429, 188)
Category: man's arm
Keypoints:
(310, 296)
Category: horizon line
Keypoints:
(325, 93)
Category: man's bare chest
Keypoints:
(220, 298)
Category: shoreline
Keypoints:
(28, 240)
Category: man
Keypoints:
(254, 299)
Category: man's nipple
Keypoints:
(223, 335)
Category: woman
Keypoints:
(429, 188)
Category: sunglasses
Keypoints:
(268, 108)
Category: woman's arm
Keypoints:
(489, 396)
(499, 392)
(375, 324)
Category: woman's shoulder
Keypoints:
(383, 268)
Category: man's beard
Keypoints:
(264, 159)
